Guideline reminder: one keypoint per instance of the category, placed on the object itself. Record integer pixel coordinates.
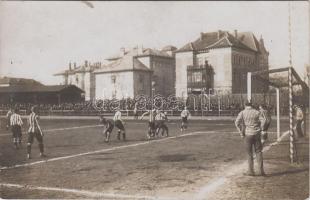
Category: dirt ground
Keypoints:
(80, 160)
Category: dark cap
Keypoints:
(248, 103)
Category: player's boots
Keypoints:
(41, 147)
(15, 143)
(259, 159)
(149, 134)
(42, 155)
(28, 150)
(167, 132)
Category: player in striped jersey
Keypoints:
(16, 123)
(184, 116)
(151, 124)
(34, 131)
(160, 125)
(8, 116)
(118, 122)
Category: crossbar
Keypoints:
(270, 71)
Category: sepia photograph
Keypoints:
(145, 100)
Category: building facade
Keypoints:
(132, 73)
(218, 62)
(81, 76)
(28, 91)
(128, 74)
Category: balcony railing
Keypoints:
(196, 84)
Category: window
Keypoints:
(199, 61)
(113, 79)
(197, 77)
(141, 78)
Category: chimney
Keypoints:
(70, 66)
(201, 35)
(140, 50)
(74, 65)
(219, 32)
(236, 34)
(86, 63)
(261, 40)
(123, 51)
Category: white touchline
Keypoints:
(214, 184)
(106, 150)
(62, 129)
(87, 193)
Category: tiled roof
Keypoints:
(237, 43)
(154, 52)
(169, 48)
(18, 81)
(126, 63)
(248, 39)
(221, 39)
(37, 88)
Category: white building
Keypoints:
(219, 61)
(126, 75)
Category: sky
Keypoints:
(39, 39)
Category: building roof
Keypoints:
(38, 88)
(17, 81)
(78, 69)
(222, 39)
(169, 48)
(126, 63)
(154, 52)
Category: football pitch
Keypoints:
(79, 164)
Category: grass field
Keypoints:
(79, 164)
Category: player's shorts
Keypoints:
(35, 134)
(110, 129)
(159, 123)
(17, 131)
(266, 127)
(119, 125)
(152, 125)
(184, 119)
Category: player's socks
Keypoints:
(41, 147)
(28, 156)
(124, 136)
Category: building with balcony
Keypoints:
(219, 62)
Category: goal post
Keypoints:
(292, 79)
(249, 97)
